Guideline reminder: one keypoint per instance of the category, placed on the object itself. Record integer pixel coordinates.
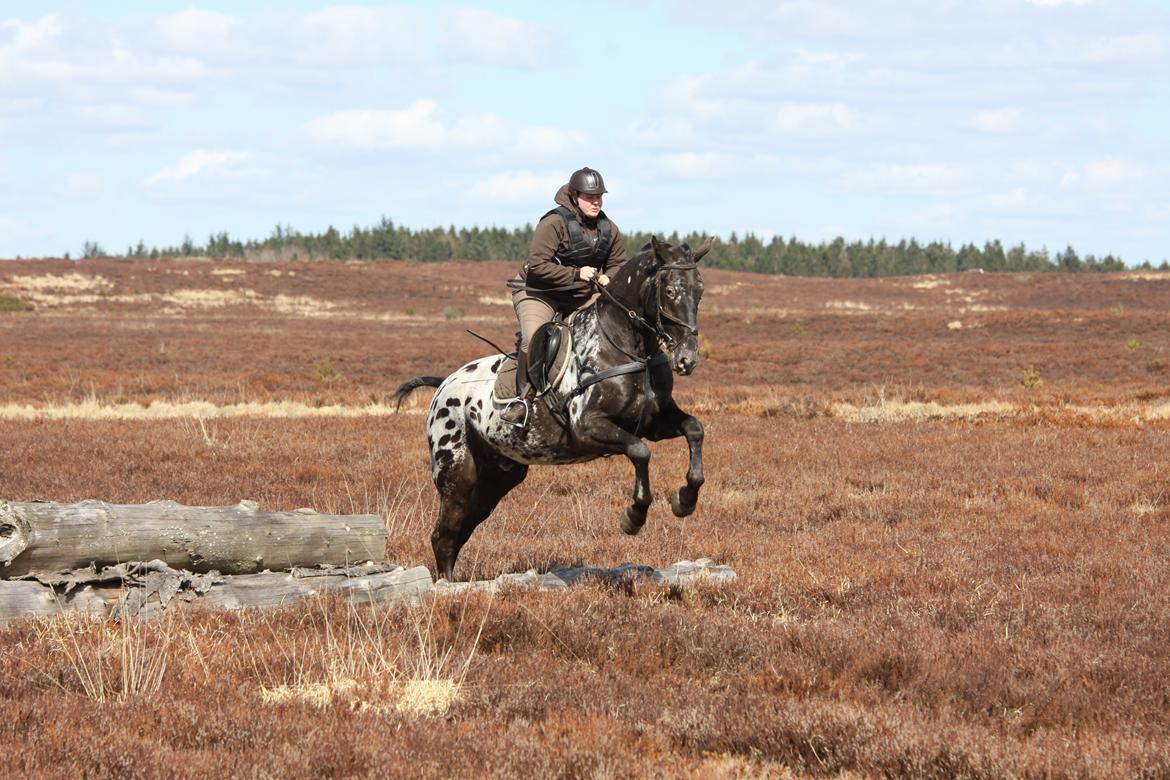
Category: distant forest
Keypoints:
(837, 258)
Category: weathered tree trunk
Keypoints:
(150, 588)
(47, 538)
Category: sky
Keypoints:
(1045, 122)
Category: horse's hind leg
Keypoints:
(469, 493)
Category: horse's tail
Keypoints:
(419, 381)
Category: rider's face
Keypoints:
(590, 205)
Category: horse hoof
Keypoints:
(678, 507)
(631, 522)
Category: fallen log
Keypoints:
(148, 589)
(48, 538)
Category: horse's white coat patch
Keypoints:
(475, 389)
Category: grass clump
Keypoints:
(1031, 379)
(11, 303)
(326, 372)
(410, 660)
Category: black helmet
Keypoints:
(587, 181)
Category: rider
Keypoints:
(574, 244)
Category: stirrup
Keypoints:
(527, 410)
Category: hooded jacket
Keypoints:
(552, 236)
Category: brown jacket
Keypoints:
(541, 270)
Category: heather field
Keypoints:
(947, 499)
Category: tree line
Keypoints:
(837, 258)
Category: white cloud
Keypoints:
(350, 34)
(519, 187)
(1108, 174)
(111, 115)
(201, 163)
(72, 59)
(495, 39)
(932, 221)
(12, 223)
(998, 120)
(17, 227)
(820, 118)
(161, 98)
(716, 165)
(83, 183)
(200, 31)
(420, 126)
(414, 126)
(919, 178)
(274, 42)
(659, 133)
(1056, 3)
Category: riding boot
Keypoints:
(519, 407)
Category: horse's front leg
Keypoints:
(674, 422)
(613, 439)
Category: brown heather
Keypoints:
(975, 595)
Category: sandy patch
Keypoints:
(228, 272)
(489, 300)
(723, 289)
(848, 305)
(165, 410)
(1148, 276)
(928, 283)
(208, 299)
(910, 411)
(417, 698)
(73, 281)
(300, 304)
(903, 411)
(955, 325)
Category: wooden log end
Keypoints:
(15, 533)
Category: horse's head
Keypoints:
(673, 300)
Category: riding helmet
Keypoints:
(587, 181)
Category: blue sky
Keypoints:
(1037, 121)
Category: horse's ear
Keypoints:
(703, 249)
(658, 252)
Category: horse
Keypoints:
(616, 390)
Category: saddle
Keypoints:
(548, 357)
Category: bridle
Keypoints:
(656, 329)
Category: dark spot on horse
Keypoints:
(456, 437)
(470, 367)
(445, 440)
(450, 425)
(453, 402)
(496, 365)
(442, 413)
